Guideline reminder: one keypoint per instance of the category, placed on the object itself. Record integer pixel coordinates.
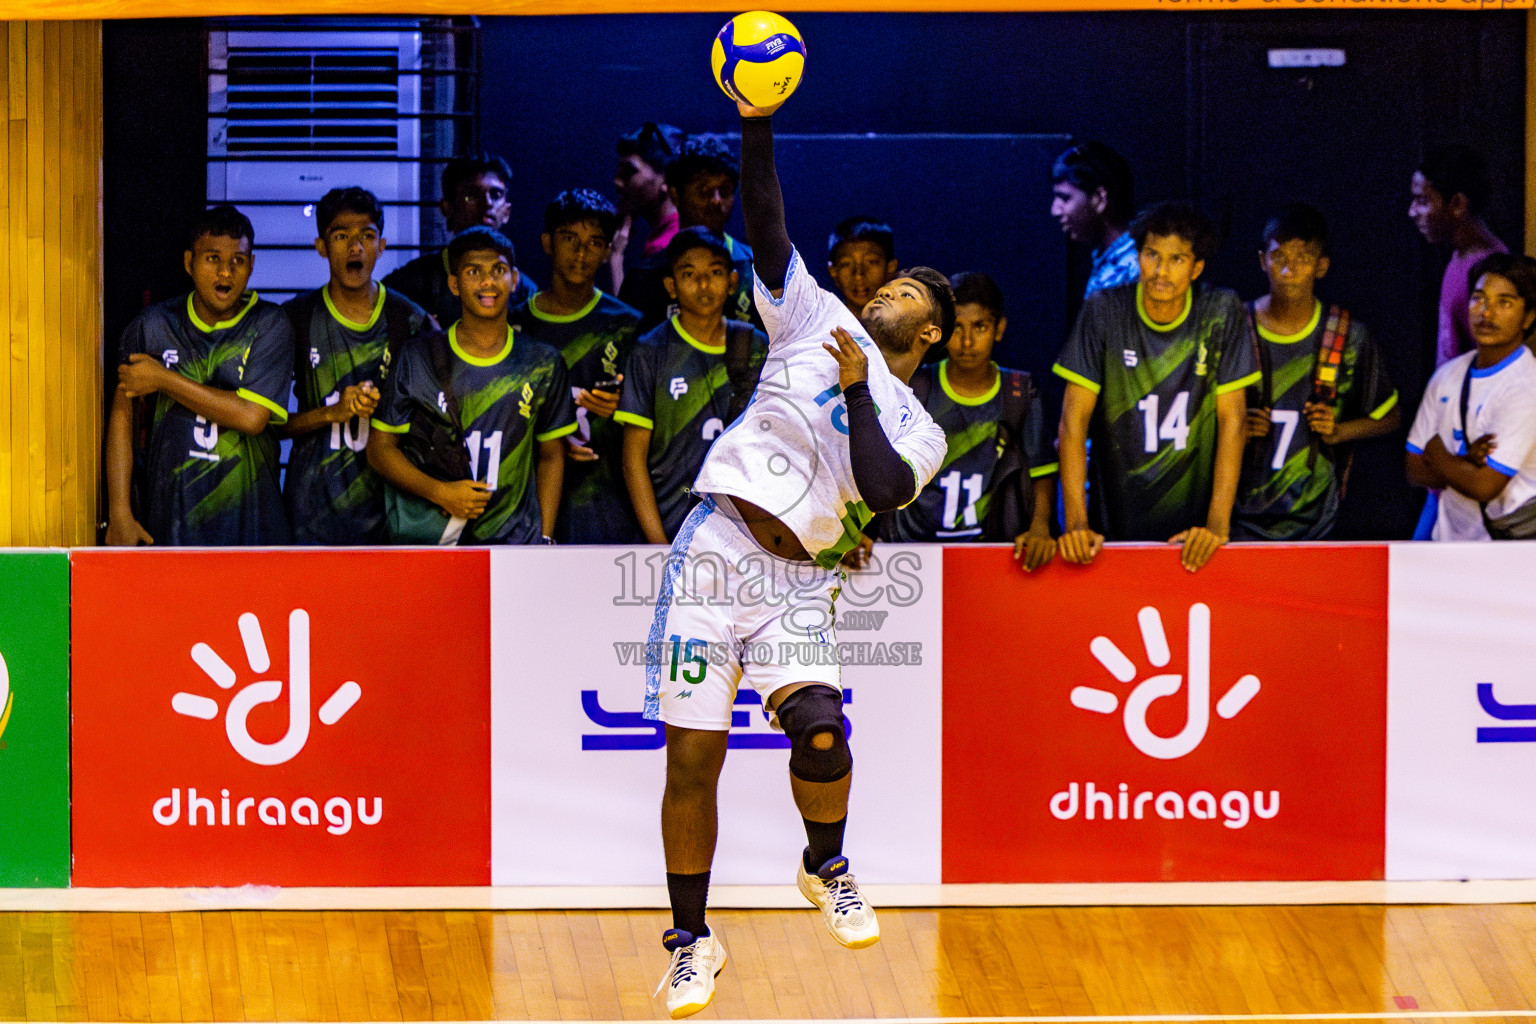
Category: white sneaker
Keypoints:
(690, 977)
(849, 917)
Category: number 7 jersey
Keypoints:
(1153, 458)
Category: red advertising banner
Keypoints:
(281, 718)
(1130, 721)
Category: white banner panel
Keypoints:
(577, 773)
(1461, 711)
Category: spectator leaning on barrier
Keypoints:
(594, 333)
(476, 191)
(215, 366)
(682, 386)
(346, 333)
(998, 479)
(702, 182)
(473, 422)
(861, 258)
(1093, 198)
(1322, 387)
(1155, 374)
(1488, 396)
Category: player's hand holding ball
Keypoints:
(758, 59)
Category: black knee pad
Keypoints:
(805, 714)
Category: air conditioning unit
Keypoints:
(295, 110)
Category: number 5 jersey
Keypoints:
(207, 484)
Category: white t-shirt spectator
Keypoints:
(1502, 402)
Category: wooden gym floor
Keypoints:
(1111, 963)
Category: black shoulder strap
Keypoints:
(399, 311)
(921, 382)
(301, 310)
(740, 369)
(1018, 392)
(397, 318)
(1266, 366)
(1466, 434)
(1466, 397)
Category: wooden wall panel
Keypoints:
(50, 282)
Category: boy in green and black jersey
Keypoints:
(1155, 375)
(964, 393)
(215, 365)
(678, 391)
(513, 404)
(1323, 387)
(345, 334)
(594, 332)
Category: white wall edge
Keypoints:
(253, 897)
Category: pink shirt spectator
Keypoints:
(1455, 334)
(668, 227)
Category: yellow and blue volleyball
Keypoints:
(758, 58)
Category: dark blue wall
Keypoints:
(1185, 96)
(1188, 98)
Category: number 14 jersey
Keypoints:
(1154, 428)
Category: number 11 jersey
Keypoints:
(1154, 428)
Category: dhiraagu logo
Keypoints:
(7, 698)
(265, 692)
(1197, 687)
(1121, 801)
(237, 808)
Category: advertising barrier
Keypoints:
(579, 772)
(34, 718)
(1461, 720)
(281, 717)
(1131, 721)
(422, 717)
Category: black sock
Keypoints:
(826, 842)
(689, 894)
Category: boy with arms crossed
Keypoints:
(1155, 375)
(514, 408)
(217, 363)
(1322, 387)
(678, 392)
(346, 332)
(594, 333)
(1489, 394)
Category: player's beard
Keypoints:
(896, 335)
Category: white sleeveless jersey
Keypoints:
(788, 452)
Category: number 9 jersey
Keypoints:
(1153, 458)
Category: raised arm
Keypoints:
(762, 204)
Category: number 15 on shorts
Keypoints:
(685, 655)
